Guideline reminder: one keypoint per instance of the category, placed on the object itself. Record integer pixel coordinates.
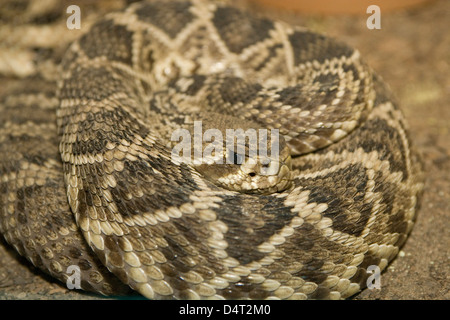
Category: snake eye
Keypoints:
(235, 158)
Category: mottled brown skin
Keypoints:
(162, 228)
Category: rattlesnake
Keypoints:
(159, 226)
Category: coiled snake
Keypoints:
(344, 197)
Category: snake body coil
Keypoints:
(162, 228)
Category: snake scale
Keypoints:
(87, 176)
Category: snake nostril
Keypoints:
(252, 174)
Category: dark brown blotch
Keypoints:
(238, 30)
(108, 39)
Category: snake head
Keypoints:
(249, 166)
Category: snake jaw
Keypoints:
(258, 165)
(259, 175)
